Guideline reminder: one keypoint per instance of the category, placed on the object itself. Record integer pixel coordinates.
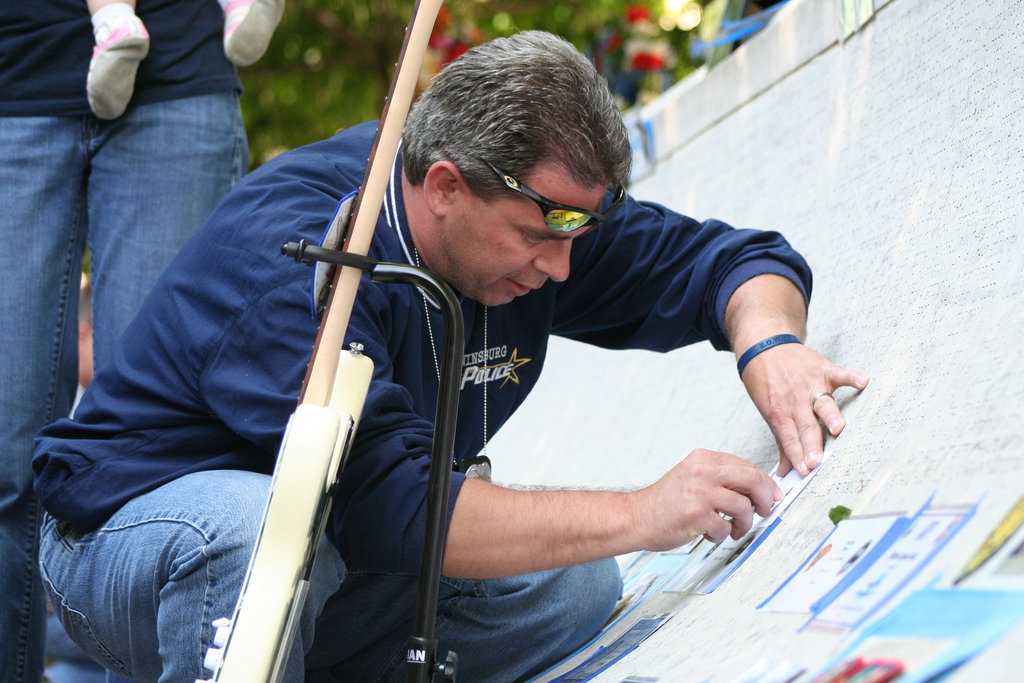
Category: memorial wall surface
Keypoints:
(893, 159)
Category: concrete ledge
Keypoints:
(799, 32)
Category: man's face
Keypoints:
(494, 252)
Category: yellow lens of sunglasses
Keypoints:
(559, 219)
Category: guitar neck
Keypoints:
(252, 646)
(320, 374)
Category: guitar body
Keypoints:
(252, 646)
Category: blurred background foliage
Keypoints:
(330, 62)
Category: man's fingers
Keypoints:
(745, 489)
(812, 441)
(716, 528)
(737, 509)
(824, 404)
(827, 410)
(727, 491)
(794, 415)
(784, 467)
(790, 447)
(840, 377)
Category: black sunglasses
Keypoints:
(562, 217)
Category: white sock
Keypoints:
(113, 14)
(223, 4)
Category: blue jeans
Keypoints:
(134, 189)
(140, 593)
(502, 629)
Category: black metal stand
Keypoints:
(421, 662)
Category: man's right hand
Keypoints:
(496, 531)
(707, 494)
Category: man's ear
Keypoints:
(442, 186)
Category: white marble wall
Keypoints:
(894, 161)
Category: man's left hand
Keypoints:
(792, 386)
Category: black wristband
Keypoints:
(764, 345)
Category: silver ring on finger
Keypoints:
(820, 394)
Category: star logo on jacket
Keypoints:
(504, 370)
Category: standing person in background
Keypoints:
(122, 42)
(134, 189)
(65, 661)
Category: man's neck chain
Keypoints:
(433, 349)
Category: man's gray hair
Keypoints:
(516, 102)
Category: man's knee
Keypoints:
(572, 604)
(573, 607)
(593, 589)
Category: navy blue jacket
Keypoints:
(209, 372)
(45, 48)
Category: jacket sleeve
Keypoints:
(653, 279)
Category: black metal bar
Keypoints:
(304, 252)
(421, 661)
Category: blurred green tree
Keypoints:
(330, 62)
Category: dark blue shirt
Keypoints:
(209, 372)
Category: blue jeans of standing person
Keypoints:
(141, 592)
(134, 189)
